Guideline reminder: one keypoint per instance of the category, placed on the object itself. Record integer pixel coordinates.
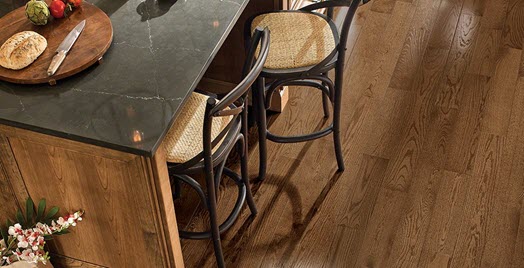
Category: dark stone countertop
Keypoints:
(161, 49)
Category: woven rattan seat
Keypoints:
(298, 39)
(184, 139)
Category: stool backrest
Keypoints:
(252, 68)
(330, 5)
(235, 102)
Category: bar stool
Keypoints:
(202, 137)
(305, 46)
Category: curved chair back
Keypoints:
(344, 31)
(235, 102)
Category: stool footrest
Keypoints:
(232, 216)
(300, 138)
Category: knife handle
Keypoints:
(56, 62)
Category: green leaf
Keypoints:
(52, 212)
(48, 237)
(29, 211)
(5, 235)
(9, 223)
(20, 218)
(63, 232)
(41, 210)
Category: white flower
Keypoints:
(61, 221)
(14, 230)
(23, 244)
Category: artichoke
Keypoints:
(37, 12)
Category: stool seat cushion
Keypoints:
(298, 39)
(184, 140)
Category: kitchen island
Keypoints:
(92, 141)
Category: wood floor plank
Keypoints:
(486, 53)
(389, 121)
(377, 51)
(494, 15)
(412, 226)
(518, 256)
(497, 113)
(380, 232)
(415, 45)
(383, 6)
(446, 24)
(460, 146)
(471, 243)
(409, 147)
(514, 26)
(349, 210)
(445, 222)
(475, 7)
(511, 190)
(458, 61)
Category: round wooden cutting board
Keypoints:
(92, 44)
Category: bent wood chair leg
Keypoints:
(245, 175)
(244, 170)
(215, 231)
(325, 100)
(339, 74)
(325, 104)
(262, 127)
(218, 177)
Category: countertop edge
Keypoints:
(77, 138)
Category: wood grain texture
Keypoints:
(415, 44)
(461, 145)
(448, 18)
(11, 183)
(383, 6)
(433, 124)
(60, 261)
(125, 198)
(514, 26)
(458, 61)
(89, 48)
(471, 242)
(487, 51)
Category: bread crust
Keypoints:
(22, 49)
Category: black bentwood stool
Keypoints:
(205, 133)
(305, 46)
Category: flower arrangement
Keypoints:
(25, 240)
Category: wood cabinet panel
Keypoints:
(130, 219)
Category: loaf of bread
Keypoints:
(22, 49)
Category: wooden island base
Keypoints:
(129, 214)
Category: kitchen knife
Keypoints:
(64, 48)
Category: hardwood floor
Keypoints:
(433, 137)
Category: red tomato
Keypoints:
(57, 9)
(75, 3)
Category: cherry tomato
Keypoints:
(75, 3)
(57, 9)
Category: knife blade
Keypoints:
(64, 48)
